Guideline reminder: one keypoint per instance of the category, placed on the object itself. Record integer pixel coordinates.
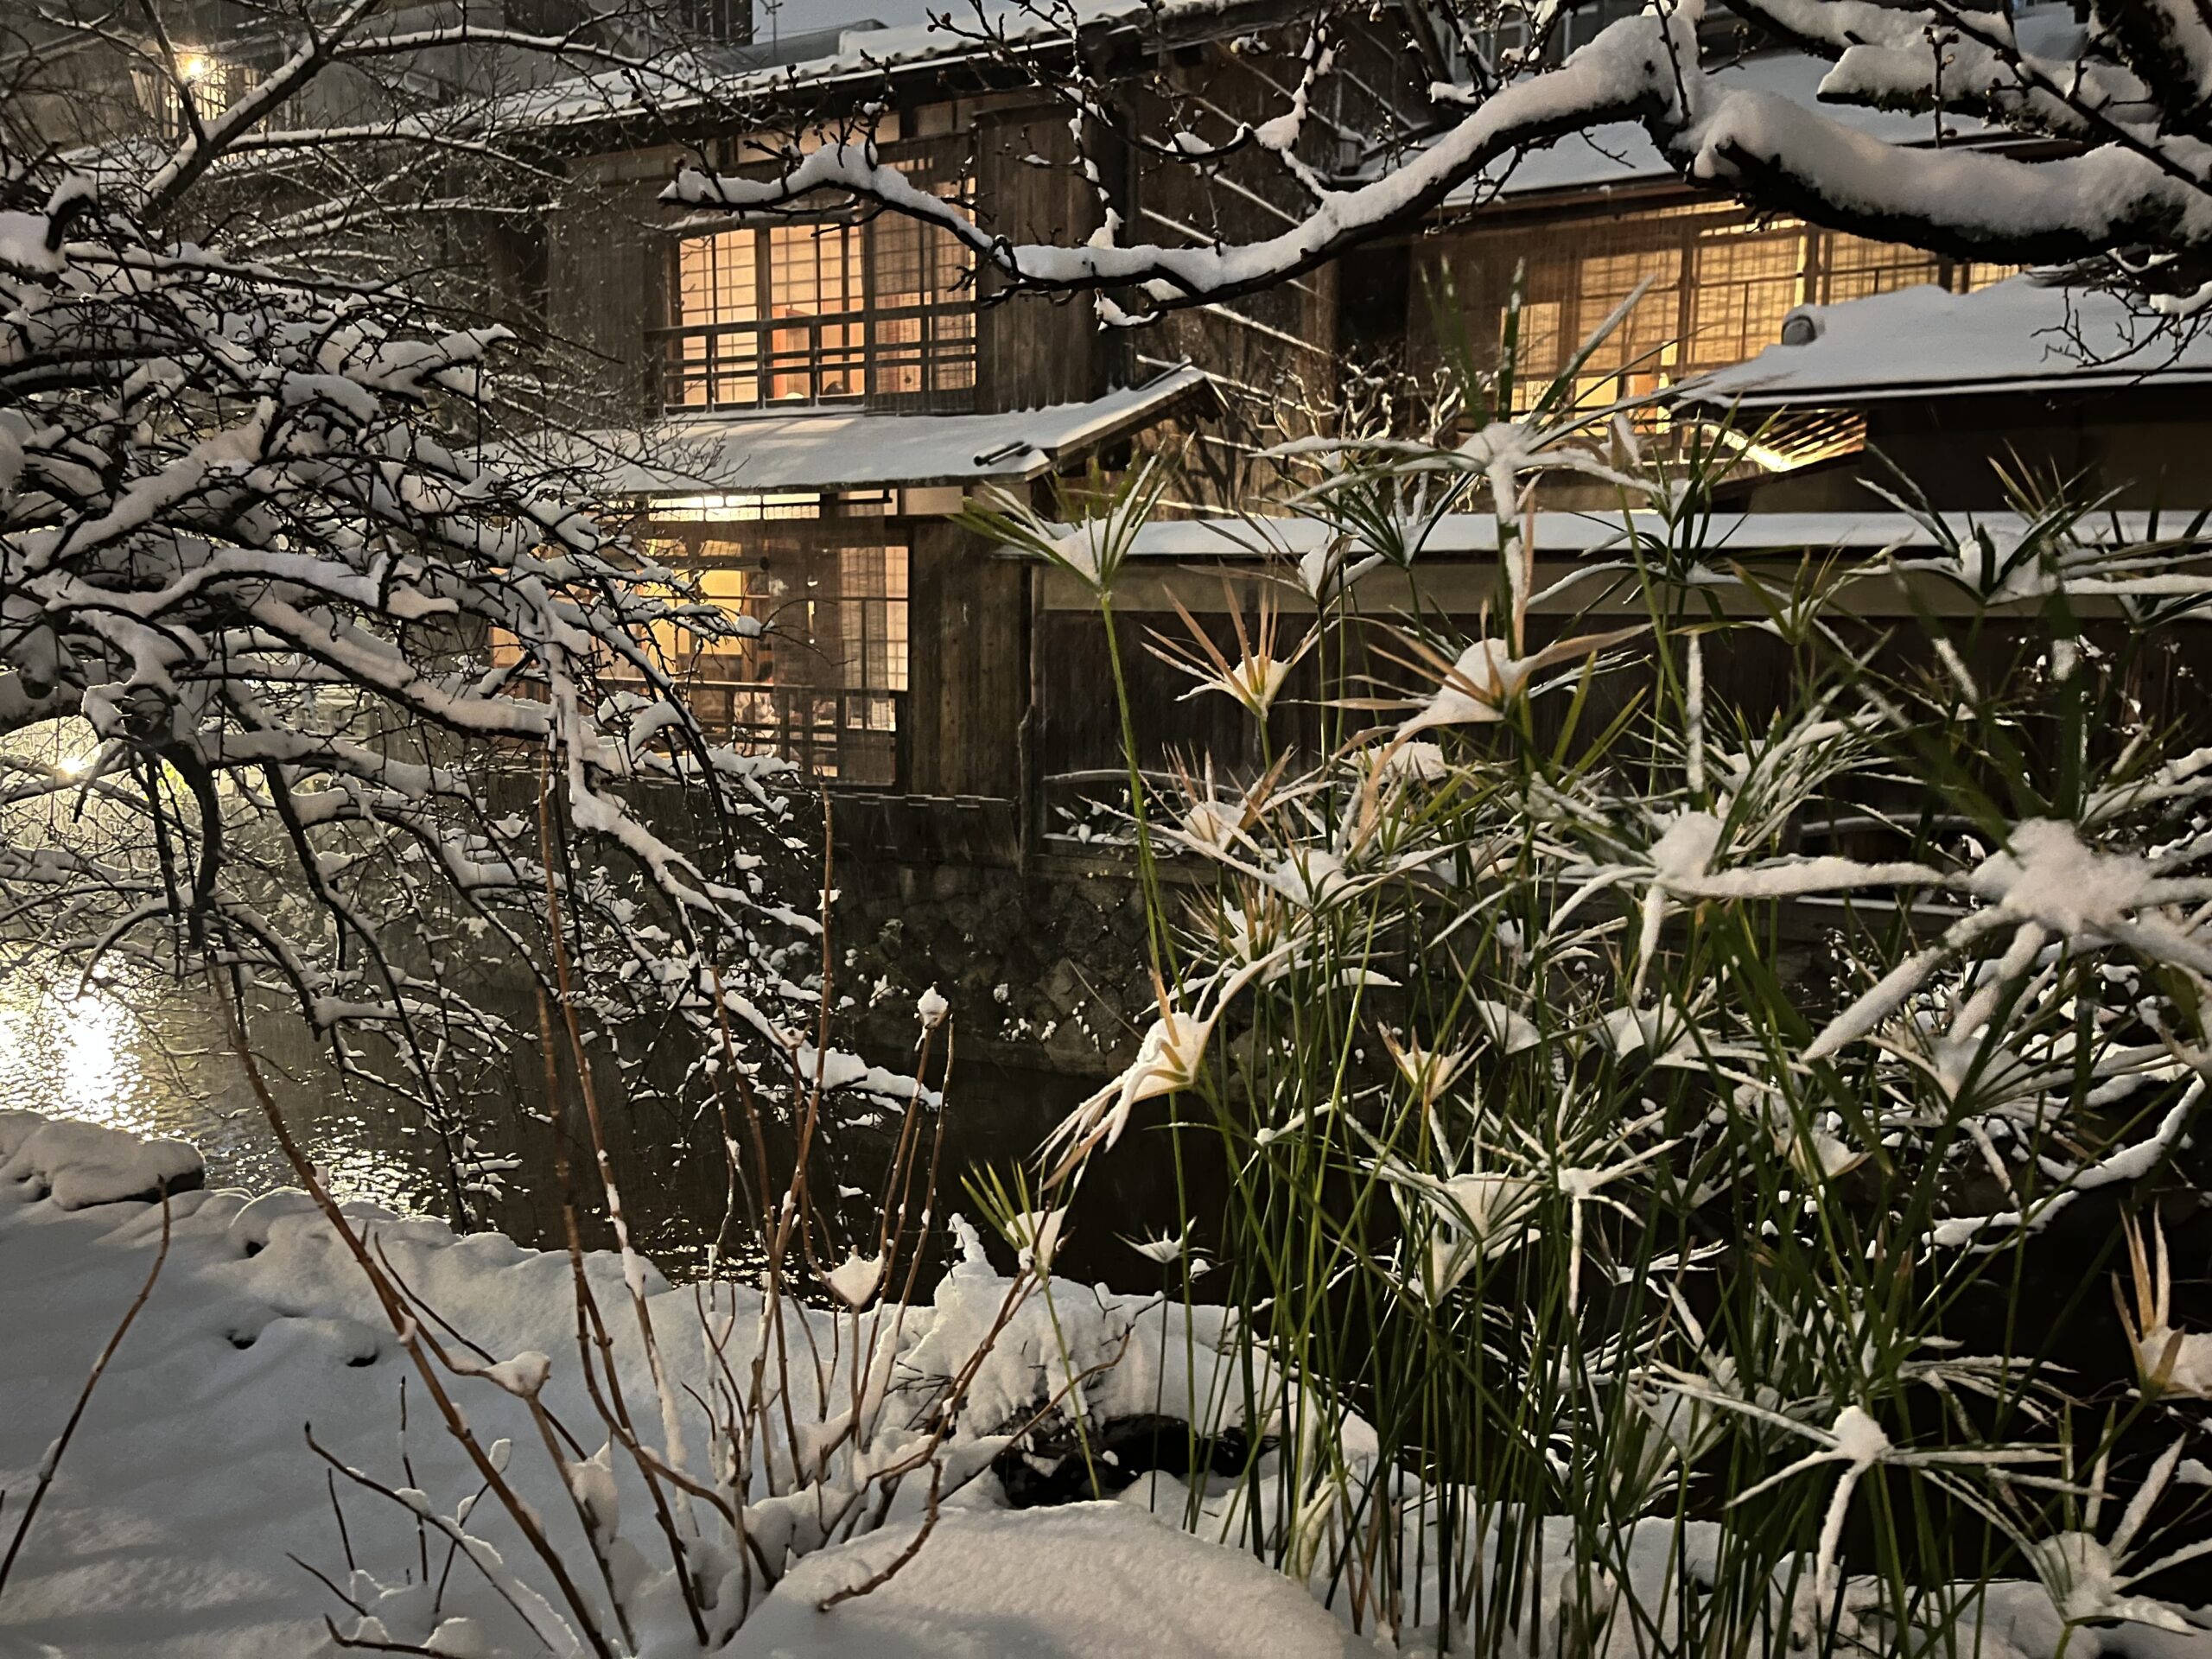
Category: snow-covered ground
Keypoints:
(189, 1516)
(189, 1506)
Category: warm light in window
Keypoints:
(193, 67)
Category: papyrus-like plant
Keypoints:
(1648, 1088)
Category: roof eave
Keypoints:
(1170, 391)
(1843, 397)
(979, 70)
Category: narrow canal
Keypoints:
(152, 1056)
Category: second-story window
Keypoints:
(1711, 286)
(840, 310)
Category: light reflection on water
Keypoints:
(153, 1059)
(153, 1055)
(65, 1053)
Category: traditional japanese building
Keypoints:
(798, 408)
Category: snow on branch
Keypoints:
(1767, 149)
(2125, 104)
(1623, 75)
(295, 685)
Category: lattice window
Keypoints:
(871, 617)
(716, 20)
(914, 264)
(824, 684)
(814, 270)
(1564, 302)
(1503, 30)
(1722, 284)
(210, 79)
(1853, 268)
(718, 281)
(1638, 355)
(834, 311)
(1746, 282)
(1539, 339)
(733, 585)
(1979, 275)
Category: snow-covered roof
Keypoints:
(1623, 154)
(1727, 535)
(733, 75)
(2019, 336)
(837, 448)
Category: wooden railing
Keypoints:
(912, 357)
(848, 735)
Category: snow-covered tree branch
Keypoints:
(296, 686)
(2093, 148)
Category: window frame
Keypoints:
(783, 694)
(920, 356)
(1680, 327)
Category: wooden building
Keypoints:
(796, 410)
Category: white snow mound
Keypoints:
(1089, 1581)
(83, 1164)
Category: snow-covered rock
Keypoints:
(1089, 1581)
(81, 1164)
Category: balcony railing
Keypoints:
(852, 736)
(912, 356)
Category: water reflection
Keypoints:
(146, 1053)
(66, 1051)
(152, 1056)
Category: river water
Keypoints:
(152, 1056)
(154, 1059)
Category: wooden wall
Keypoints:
(968, 664)
(606, 279)
(2143, 447)
(1078, 724)
(1752, 672)
(969, 608)
(2146, 444)
(1031, 350)
(1276, 353)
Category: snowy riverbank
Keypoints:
(190, 1517)
(189, 1506)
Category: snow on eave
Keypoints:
(2111, 381)
(2020, 335)
(843, 448)
(862, 56)
(1596, 533)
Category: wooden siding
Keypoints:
(1032, 349)
(2146, 445)
(1079, 733)
(968, 669)
(1275, 352)
(607, 278)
